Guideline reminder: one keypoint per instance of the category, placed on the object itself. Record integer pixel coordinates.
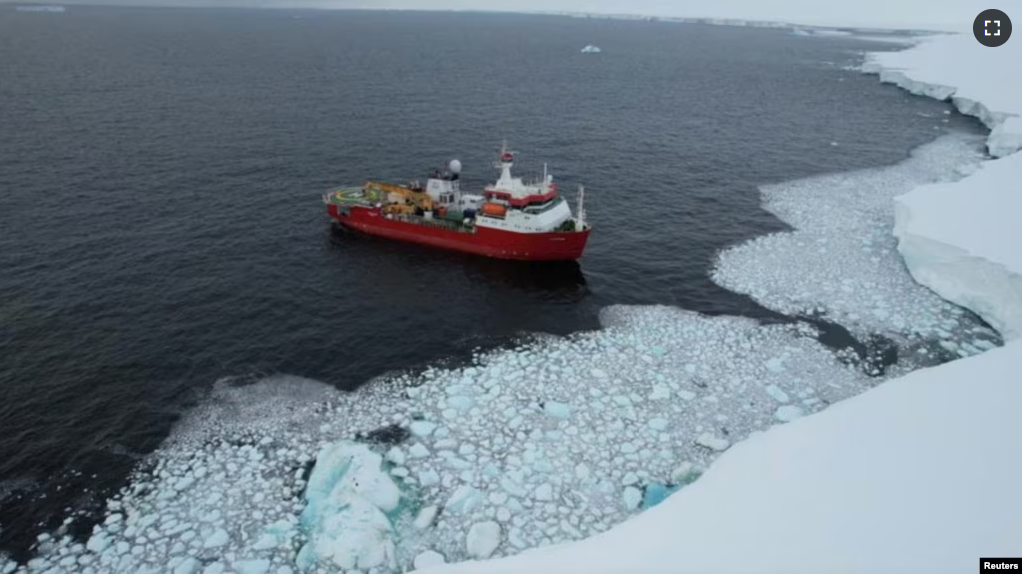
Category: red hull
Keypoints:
(554, 246)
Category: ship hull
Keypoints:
(495, 243)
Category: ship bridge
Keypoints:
(513, 190)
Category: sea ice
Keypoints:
(788, 413)
(427, 559)
(548, 480)
(557, 410)
(425, 517)
(841, 261)
(348, 496)
(631, 497)
(827, 465)
(712, 442)
(483, 538)
(255, 566)
(422, 428)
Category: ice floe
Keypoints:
(559, 439)
(841, 261)
(864, 486)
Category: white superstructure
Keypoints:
(509, 204)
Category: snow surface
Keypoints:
(962, 240)
(921, 474)
(982, 82)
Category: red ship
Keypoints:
(510, 220)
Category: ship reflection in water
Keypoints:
(556, 279)
(550, 281)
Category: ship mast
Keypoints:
(504, 164)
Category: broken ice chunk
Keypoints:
(428, 477)
(396, 456)
(460, 403)
(512, 487)
(657, 424)
(660, 392)
(463, 500)
(775, 365)
(483, 539)
(544, 492)
(425, 517)
(712, 442)
(788, 413)
(257, 566)
(557, 410)
(418, 450)
(422, 428)
(631, 497)
(426, 559)
(777, 394)
(685, 473)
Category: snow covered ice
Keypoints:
(951, 236)
(946, 67)
(921, 474)
(348, 500)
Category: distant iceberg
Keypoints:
(590, 49)
(39, 8)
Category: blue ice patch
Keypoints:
(655, 493)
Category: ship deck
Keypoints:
(349, 196)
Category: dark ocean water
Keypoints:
(161, 172)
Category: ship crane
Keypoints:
(419, 199)
(580, 221)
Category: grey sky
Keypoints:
(944, 14)
(950, 15)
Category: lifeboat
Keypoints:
(494, 209)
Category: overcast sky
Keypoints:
(950, 15)
(946, 14)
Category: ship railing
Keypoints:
(441, 223)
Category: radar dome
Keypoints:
(455, 166)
